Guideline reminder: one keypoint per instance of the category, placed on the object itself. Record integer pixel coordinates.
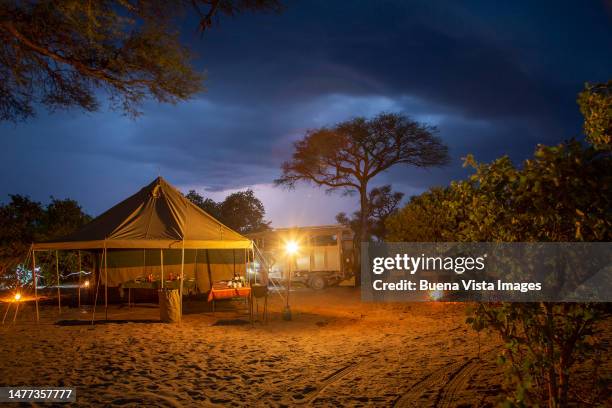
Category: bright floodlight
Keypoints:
(86, 283)
(17, 296)
(291, 247)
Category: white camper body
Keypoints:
(324, 254)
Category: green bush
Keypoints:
(561, 194)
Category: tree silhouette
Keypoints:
(61, 53)
(241, 211)
(348, 155)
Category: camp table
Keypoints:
(174, 284)
(231, 293)
(140, 285)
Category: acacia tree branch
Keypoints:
(78, 65)
(290, 179)
(206, 19)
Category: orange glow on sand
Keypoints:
(21, 298)
(436, 295)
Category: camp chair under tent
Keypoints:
(159, 232)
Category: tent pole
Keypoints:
(210, 281)
(105, 285)
(80, 270)
(182, 278)
(99, 275)
(161, 257)
(247, 281)
(35, 284)
(246, 266)
(253, 262)
(195, 269)
(59, 295)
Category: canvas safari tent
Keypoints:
(157, 231)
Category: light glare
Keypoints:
(436, 294)
(291, 247)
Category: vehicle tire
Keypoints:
(317, 282)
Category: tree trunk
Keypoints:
(364, 209)
(363, 230)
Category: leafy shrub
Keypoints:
(562, 194)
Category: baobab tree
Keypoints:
(347, 156)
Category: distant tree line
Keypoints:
(241, 211)
(24, 221)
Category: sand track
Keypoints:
(337, 376)
(447, 396)
(443, 383)
(428, 384)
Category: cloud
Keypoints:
(494, 78)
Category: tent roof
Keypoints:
(158, 216)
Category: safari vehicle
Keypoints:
(316, 256)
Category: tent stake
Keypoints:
(16, 310)
(8, 306)
(59, 294)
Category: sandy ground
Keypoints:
(336, 352)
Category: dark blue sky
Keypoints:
(496, 77)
